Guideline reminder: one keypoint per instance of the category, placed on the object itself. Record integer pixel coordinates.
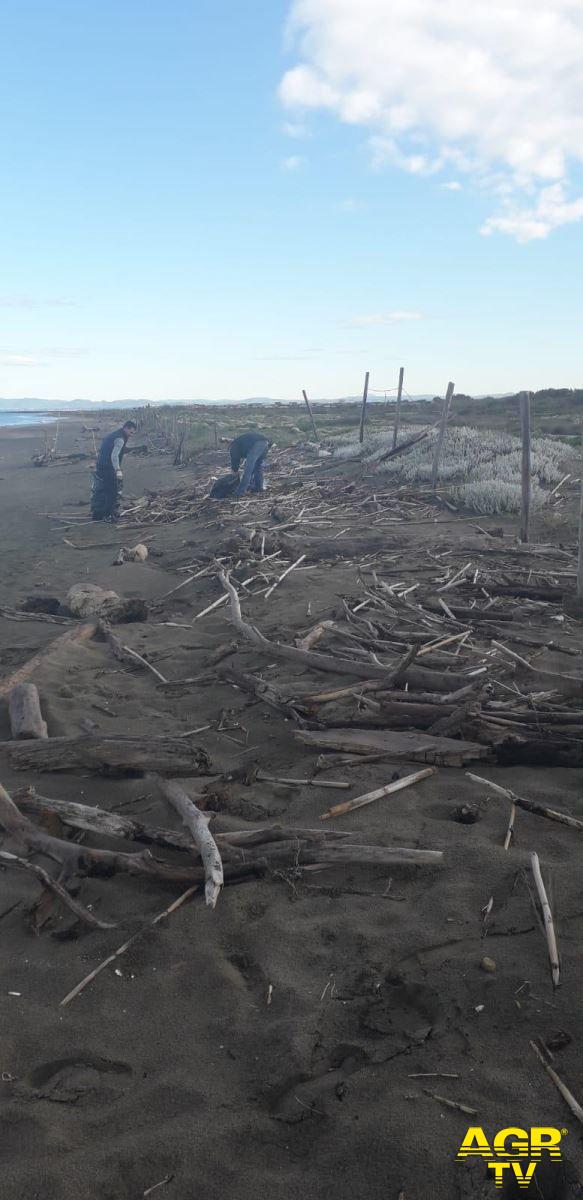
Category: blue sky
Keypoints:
(197, 202)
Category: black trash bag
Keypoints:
(224, 486)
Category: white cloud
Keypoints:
(451, 186)
(294, 163)
(17, 360)
(494, 90)
(371, 319)
(296, 130)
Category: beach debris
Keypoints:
(137, 553)
(416, 747)
(109, 755)
(466, 814)
(567, 1095)
(80, 633)
(388, 790)
(464, 1108)
(488, 965)
(89, 600)
(197, 824)
(547, 919)
(26, 719)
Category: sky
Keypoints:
(209, 199)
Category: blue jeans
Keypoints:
(253, 473)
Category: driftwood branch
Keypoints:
(78, 910)
(197, 824)
(547, 918)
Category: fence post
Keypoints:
(363, 413)
(398, 411)
(525, 505)
(441, 435)
(311, 415)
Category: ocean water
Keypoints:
(26, 418)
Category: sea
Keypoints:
(26, 418)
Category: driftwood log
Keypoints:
(197, 825)
(416, 747)
(80, 633)
(26, 719)
(109, 755)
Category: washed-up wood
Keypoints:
(531, 806)
(197, 824)
(548, 920)
(26, 719)
(108, 755)
(397, 785)
(80, 633)
(413, 746)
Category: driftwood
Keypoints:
(416, 747)
(80, 633)
(415, 676)
(53, 885)
(109, 755)
(125, 653)
(531, 806)
(396, 785)
(197, 824)
(26, 719)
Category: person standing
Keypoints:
(252, 447)
(108, 476)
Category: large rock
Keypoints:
(88, 600)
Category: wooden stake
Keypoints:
(580, 558)
(547, 918)
(398, 410)
(307, 403)
(396, 786)
(363, 411)
(441, 434)
(525, 506)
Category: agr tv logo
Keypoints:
(513, 1151)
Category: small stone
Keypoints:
(488, 964)
(66, 692)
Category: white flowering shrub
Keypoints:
(481, 467)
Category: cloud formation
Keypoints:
(493, 90)
(293, 163)
(369, 320)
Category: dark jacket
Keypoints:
(111, 452)
(241, 446)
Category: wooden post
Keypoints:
(311, 415)
(216, 436)
(525, 507)
(441, 434)
(580, 560)
(398, 412)
(363, 413)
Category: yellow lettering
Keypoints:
(517, 1148)
(475, 1143)
(498, 1168)
(542, 1138)
(525, 1177)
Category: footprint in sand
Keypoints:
(84, 1079)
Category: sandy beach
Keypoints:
(299, 1039)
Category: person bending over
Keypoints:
(253, 448)
(108, 476)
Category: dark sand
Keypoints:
(173, 1066)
